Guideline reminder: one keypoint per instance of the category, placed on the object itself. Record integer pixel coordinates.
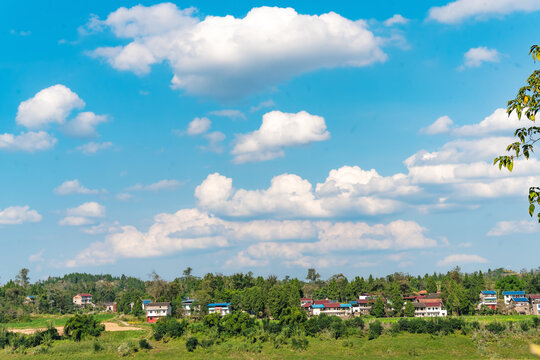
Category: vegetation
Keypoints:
(526, 102)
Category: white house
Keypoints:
(488, 298)
(82, 299)
(220, 308)
(156, 310)
(509, 295)
(187, 305)
(429, 309)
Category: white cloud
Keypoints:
(164, 184)
(84, 125)
(27, 141)
(440, 126)
(89, 209)
(230, 113)
(459, 259)
(190, 229)
(457, 11)
(262, 105)
(37, 257)
(124, 196)
(75, 221)
(92, 148)
(503, 228)
(215, 141)
(475, 57)
(291, 196)
(228, 57)
(199, 126)
(279, 130)
(397, 19)
(499, 121)
(74, 187)
(15, 215)
(50, 105)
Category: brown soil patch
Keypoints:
(109, 326)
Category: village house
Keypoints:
(331, 308)
(535, 303)
(508, 295)
(520, 305)
(110, 306)
(488, 298)
(220, 308)
(157, 310)
(30, 299)
(429, 309)
(304, 301)
(144, 303)
(187, 305)
(82, 300)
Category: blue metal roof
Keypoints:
(489, 292)
(219, 304)
(520, 299)
(146, 301)
(345, 305)
(318, 306)
(513, 292)
(354, 302)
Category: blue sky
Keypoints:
(354, 137)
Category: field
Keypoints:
(402, 346)
(41, 322)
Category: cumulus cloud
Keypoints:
(497, 122)
(27, 141)
(37, 257)
(262, 105)
(440, 126)
(397, 19)
(503, 228)
(84, 125)
(459, 259)
(215, 140)
(74, 187)
(89, 209)
(92, 148)
(190, 229)
(50, 105)
(15, 215)
(279, 130)
(459, 10)
(291, 196)
(75, 221)
(199, 126)
(475, 57)
(228, 57)
(164, 184)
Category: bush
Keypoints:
(536, 321)
(238, 323)
(525, 326)
(97, 346)
(127, 348)
(206, 343)
(338, 329)
(169, 326)
(356, 322)
(496, 327)
(375, 330)
(272, 327)
(292, 316)
(299, 343)
(144, 344)
(191, 344)
(80, 326)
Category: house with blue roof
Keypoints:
(509, 295)
(488, 298)
(220, 308)
(520, 305)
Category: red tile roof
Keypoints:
(433, 304)
(306, 299)
(83, 295)
(534, 296)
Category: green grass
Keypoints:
(403, 346)
(42, 321)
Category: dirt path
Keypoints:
(109, 326)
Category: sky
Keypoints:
(353, 137)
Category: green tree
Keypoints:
(377, 309)
(312, 275)
(22, 278)
(409, 309)
(80, 326)
(526, 102)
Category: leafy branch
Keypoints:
(526, 103)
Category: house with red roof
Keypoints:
(82, 300)
(535, 303)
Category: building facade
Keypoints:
(157, 310)
(82, 300)
(488, 298)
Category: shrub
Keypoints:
(144, 344)
(191, 344)
(375, 330)
(292, 316)
(97, 346)
(525, 326)
(299, 343)
(495, 327)
(536, 321)
(80, 326)
(338, 329)
(238, 323)
(127, 348)
(206, 343)
(272, 327)
(356, 322)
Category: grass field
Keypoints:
(480, 345)
(403, 346)
(38, 322)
